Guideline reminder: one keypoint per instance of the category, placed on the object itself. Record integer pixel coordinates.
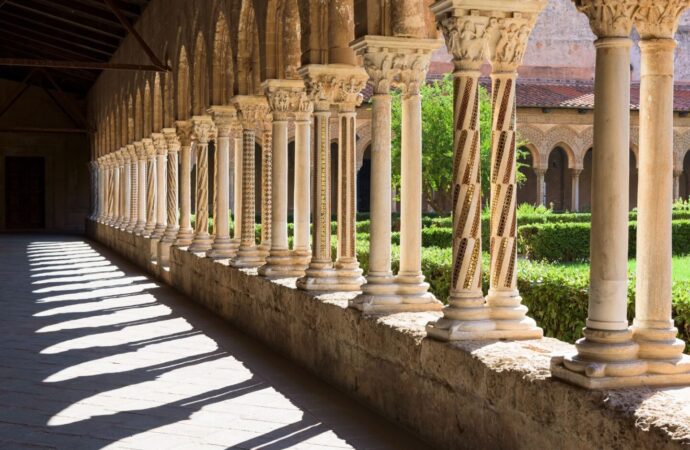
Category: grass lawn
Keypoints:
(681, 267)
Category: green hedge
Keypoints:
(568, 242)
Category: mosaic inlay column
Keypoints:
(223, 248)
(151, 185)
(237, 186)
(127, 189)
(402, 62)
(283, 98)
(266, 184)
(134, 188)
(161, 185)
(185, 233)
(141, 187)
(607, 350)
(251, 111)
(204, 131)
(172, 202)
(468, 35)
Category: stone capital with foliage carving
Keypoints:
(171, 140)
(251, 110)
(141, 151)
(334, 84)
(204, 130)
(184, 132)
(284, 97)
(149, 148)
(507, 39)
(132, 152)
(659, 18)
(224, 118)
(609, 18)
(467, 39)
(159, 143)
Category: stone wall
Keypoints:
(460, 395)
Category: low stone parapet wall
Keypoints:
(454, 395)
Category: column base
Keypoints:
(131, 227)
(164, 252)
(170, 235)
(282, 264)
(390, 295)
(248, 257)
(349, 274)
(657, 342)
(148, 230)
(201, 243)
(322, 277)
(158, 232)
(222, 248)
(185, 236)
(153, 249)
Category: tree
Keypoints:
(437, 142)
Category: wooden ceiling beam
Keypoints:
(42, 130)
(20, 91)
(73, 10)
(89, 65)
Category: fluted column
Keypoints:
(653, 326)
(541, 185)
(141, 188)
(185, 233)
(151, 185)
(251, 112)
(575, 189)
(172, 203)
(223, 248)
(161, 185)
(285, 98)
(607, 350)
(204, 131)
(133, 189)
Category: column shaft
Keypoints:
(134, 189)
(222, 245)
(266, 189)
(161, 187)
(237, 216)
(575, 190)
(279, 199)
(186, 233)
(127, 199)
(141, 202)
(302, 205)
(151, 185)
(202, 240)
(172, 195)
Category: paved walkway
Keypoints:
(94, 354)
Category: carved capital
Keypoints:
(140, 149)
(224, 117)
(149, 148)
(283, 97)
(204, 130)
(507, 39)
(659, 18)
(339, 84)
(120, 157)
(609, 18)
(467, 39)
(159, 143)
(171, 140)
(132, 152)
(184, 132)
(251, 110)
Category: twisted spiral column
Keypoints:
(185, 233)
(141, 188)
(151, 185)
(172, 203)
(127, 190)
(134, 189)
(203, 131)
(161, 185)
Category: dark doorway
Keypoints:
(25, 192)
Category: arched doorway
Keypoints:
(527, 190)
(557, 181)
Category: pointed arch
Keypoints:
(182, 97)
(131, 136)
(248, 58)
(222, 81)
(199, 80)
(283, 39)
(168, 97)
(157, 112)
(138, 121)
(124, 137)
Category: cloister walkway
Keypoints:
(94, 354)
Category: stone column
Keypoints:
(408, 292)
(541, 185)
(251, 111)
(161, 185)
(106, 189)
(676, 184)
(172, 204)
(204, 131)
(185, 233)
(151, 185)
(302, 178)
(134, 188)
(93, 191)
(237, 187)
(127, 189)
(141, 183)
(223, 248)
(99, 206)
(320, 276)
(575, 189)
(124, 165)
(283, 99)
(266, 184)
(118, 163)
(347, 98)
(653, 326)
(505, 36)
(607, 349)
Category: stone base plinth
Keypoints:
(164, 252)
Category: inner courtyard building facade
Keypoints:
(271, 110)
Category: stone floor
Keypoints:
(95, 354)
